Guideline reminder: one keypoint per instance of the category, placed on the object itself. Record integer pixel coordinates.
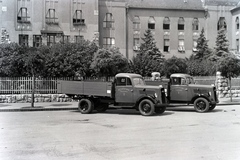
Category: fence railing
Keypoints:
(23, 85)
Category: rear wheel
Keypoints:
(212, 107)
(85, 106)
(201, 105)
(160, 110)
(102, 107)
(146, 107)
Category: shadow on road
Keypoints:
(126, 112)
(61, 105)
(177, 109)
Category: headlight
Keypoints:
(209, 93)
(155, 94)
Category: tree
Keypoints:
(174, 65)
(34, 64)
(108, 62)
(229, 66)
(70, 59)
(11, 61)
(222, 47)
(203, 50)
(149, 58)
(199, 67)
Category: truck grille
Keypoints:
(163, 95)
(215, 93)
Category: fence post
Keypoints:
(33, 90)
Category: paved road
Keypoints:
(178, 134)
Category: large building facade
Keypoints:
(175, 24)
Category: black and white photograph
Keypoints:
(119, 80)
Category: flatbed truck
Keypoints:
(128, 90)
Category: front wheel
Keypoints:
(146, 107)
(201, 105)
(85, 106)
(160, 110)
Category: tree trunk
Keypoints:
(230, 83)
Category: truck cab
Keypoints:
(130, 90)
(181, 88)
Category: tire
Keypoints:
(102, 107)
(201, 105)
(212, 107)
(85, 106)
(160, 110)
(146, 107)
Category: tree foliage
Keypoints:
(203, 50)
(149, 58)
(222, 47)
(229, 66)
(196, 67)
(70, 59)
(174, 65)
(108, 62)
(11, 61)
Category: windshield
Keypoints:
(138, 81)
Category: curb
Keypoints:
(36, 109)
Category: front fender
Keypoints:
(145, 97)
(198, 96)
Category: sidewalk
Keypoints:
(57, 106)
(44, 106)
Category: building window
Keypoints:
(237, 23)
(22, 16)
(51, 16)
(78, 18)
(23, 39)
(108, 42)
(37, 40)
(181, 47)
(79, 39)
(237, 44)
(136, 44)
(136, 23)
(166, 23)
(108, 21)
(222, 23)
(166, 47)
(181, 23)
(51, 39)
(151, 23)
(194, 45)
(65, 39)
(195, 24)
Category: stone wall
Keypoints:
(223, 89)
(26, 98)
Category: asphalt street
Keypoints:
(178, 134)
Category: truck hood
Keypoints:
(147, 87)
(200, 86)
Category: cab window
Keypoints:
(123, 81)
(178, 81)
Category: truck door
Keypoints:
(124, 90)
(179, 89)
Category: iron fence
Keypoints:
(23, 85)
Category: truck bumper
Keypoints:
(158, 105)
